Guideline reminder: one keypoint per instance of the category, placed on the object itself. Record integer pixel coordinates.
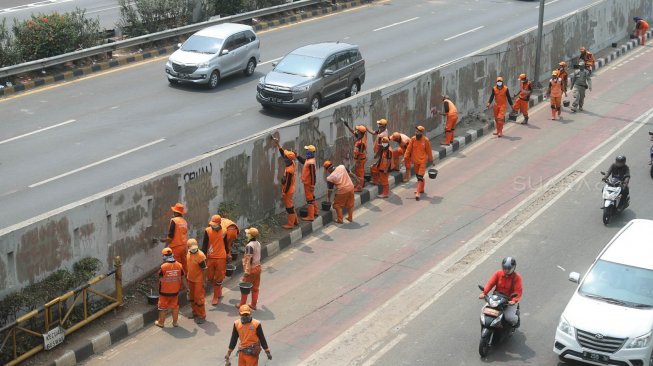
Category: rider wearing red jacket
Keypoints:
(508, 282)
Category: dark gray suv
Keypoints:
(309, 76)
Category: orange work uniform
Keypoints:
(419, 153)
(642, 27)
(398, 154)
(170, 276)
(252, 271)
(252, 340)
(288, 189)
(177, 235)
(521, 104)
(374, 171)
(382, 166)
(360, 157)
(231, 232)
(555, 92)
(564, 77)
(588, 58)
(501, 98)
(216, 253)
(452, 118)
(340, 180)
(196, 263)
(309, 178)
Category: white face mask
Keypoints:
(384, 145)
(499, 83)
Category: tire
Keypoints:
(607, 215)
(354, 89)
(316, 103)
(214, 80)
(484, 347)
(251, 66)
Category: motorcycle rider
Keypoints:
(507, 282)
(621, 171)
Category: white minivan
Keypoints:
(609, 319)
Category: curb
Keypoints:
(135, 323)
(122, 61)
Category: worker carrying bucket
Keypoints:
(433, 173)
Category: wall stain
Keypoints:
(43, 249)
(138, 196)
(86, 230)
(199, 193)
(129, 218)
(3, 274)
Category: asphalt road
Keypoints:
(107, 11)
(398, 286)
(123, 115)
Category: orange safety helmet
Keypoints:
(361, 129)
(327, 164)
(522, 76)
(385, 139)
(396, 136)
(582, 49)
(192, 244)
(244, 309)
(290, 155)
(382, 122)
(420, 128)
(310, 148)
(500, 78)
(563, 64)
(166, 251)
(555, 73)
(178, 208)
(252, 231)
(215, 220)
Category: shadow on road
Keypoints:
(513, 350)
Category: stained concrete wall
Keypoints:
(123, 221)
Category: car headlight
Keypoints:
(640, 342)
(564, 327)
(203, 66)
(299, 89)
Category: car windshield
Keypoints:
(202, 44)
(300, 65)
(619, 284)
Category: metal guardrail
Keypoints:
(137, 41)
(52, 316)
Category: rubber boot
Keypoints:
(310, 216)
(175, 317)
(499, 131)
(339, 215)
(553, 114)
(162, 319)
(385, 191)
(420, 186)
(254, 301)
(315, 209)
(216, 295)
(350, 214)
(291, 221)
(243, 301)
(525, 120)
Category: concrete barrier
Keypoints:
(124, 220)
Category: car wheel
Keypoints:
(316, 103)
(354, 89)
(214, 80)
(251, 66)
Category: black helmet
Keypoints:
(620, 159)
(509, 264)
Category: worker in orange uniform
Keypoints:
(215, 246)
(382, 165)
(588, 58)
(398, 153)
(309, 177)
(343, 181)
(380, 133)
(251, 267)
(360, 154)
(231, 232)
(563, 75)
(170, 284)
(288, 185)
(196, 262)
(641, 26)
(451, 112)
(177, 232)
(252, 339)
(555, 94)
(501, 97)
(420, 153)
(523, 97)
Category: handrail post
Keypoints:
(118, 277)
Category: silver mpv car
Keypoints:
(213, 53)
(309, 76)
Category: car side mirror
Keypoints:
(574, 277)
(328, 72)
(178, 45)
(224, 52)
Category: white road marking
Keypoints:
(37, 131)
(96, 163)
(271, 61)
(390, 345)
(394, 24)
(33, 5)
(549, 3)
(463, 33)
(562, 269)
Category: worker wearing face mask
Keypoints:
(501, 97)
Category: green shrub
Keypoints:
(226, 7)
(151, 16)
(47, 35)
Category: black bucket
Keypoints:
(433, 173)
(326, 206)
(245, 287)
(153, 299)
(632, 36)
(566, 103)
(230, 269)
(303, 212)
(512, 116)
(368, 177)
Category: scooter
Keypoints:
(494, 328)
(612, 204)
(651, 163)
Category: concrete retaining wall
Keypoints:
(123, 221)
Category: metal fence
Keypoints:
(43, 328)
(137, 41)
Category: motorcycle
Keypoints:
(651, 163)
(612, 204)
(494, 328)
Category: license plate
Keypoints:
(491, 312)
(184, 76)
(275, 100)
(595, 357)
